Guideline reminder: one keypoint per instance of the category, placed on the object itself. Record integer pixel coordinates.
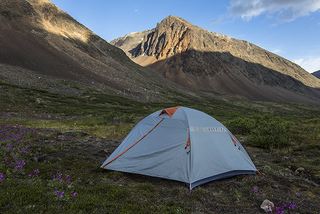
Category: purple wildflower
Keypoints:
(34, 173)
(59, 193)
(68, 178)
(255, 189)
(1, 177)
(291, 206)
(18, 167)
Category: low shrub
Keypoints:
(264, 131)
(241, 125)
(312, 120)
(127, 118)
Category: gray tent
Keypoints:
(181, 144)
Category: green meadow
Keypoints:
(45, 169)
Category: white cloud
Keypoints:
(285, 10)
(272, 48)
(276, 51)
(217, 20)
(310, 64)
(299, 61)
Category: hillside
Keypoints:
(44, 47)
(316, 74)
(199, 59)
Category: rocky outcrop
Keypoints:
(42, 46)
(207, 61)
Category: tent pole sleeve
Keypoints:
(134, 143)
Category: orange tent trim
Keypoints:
(170, 111)
(188, 143)
(234, 142)
(133, 144)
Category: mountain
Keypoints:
(199, 59)
(316, 74)
(41, 46)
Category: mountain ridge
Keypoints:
(44, 47)
(197, 58)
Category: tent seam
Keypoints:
(134, 143)
(190, 183)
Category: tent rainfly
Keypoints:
(181, 144)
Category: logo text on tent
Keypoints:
(207, 129)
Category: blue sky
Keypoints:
(289, 28)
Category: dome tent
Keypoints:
(181, 144)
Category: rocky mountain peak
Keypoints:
(171, 20)
(168, 38)
(199, 59)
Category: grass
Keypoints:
(34, 129)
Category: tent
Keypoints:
(181, 144)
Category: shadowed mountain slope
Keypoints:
(207, 61)
(41, 46)
(316, 74)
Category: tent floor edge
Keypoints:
(222, 176)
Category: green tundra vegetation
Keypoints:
(44, 171)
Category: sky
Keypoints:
(288, 28)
